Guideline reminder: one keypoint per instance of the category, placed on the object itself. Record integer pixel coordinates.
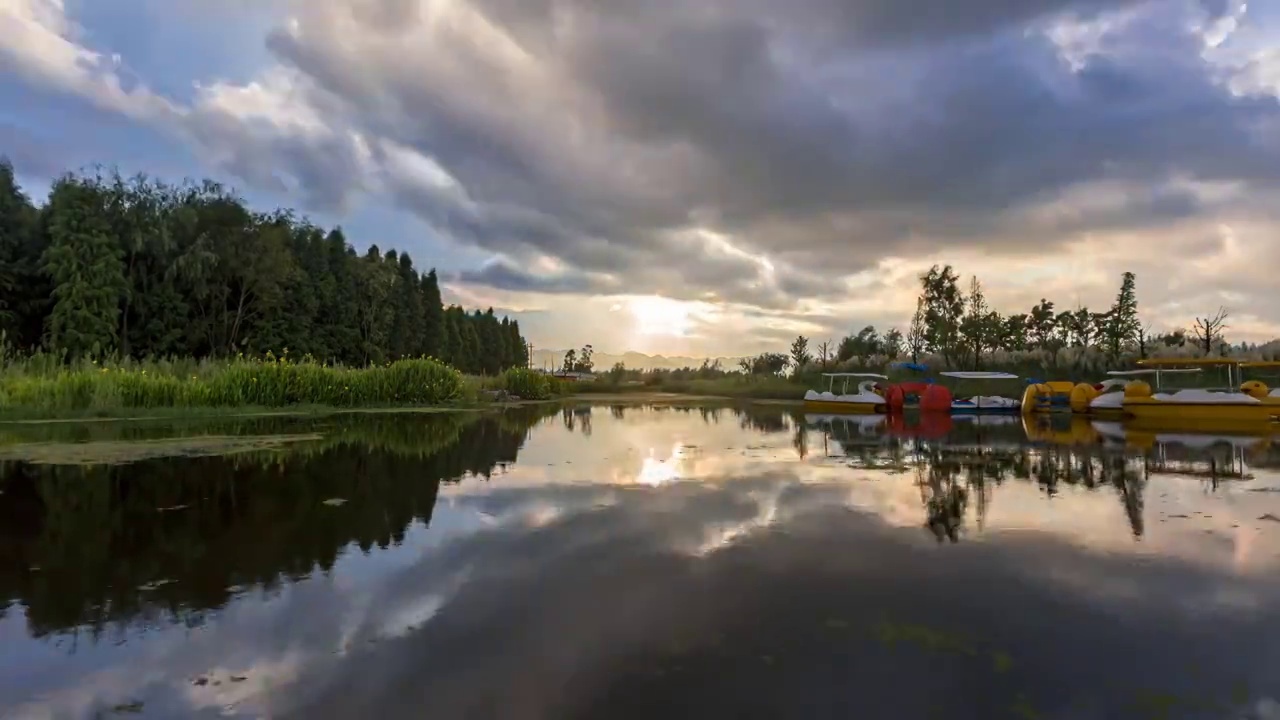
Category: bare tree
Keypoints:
(1146, 338)
(824, 352)
(917, 332)
(1209, 329)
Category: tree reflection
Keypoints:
(106, 550)
(959, 464)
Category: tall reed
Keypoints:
(45, 383)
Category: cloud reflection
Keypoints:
(564, 586)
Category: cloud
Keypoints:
(746, 153)
(505, 276)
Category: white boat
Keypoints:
(984, 403)
(1111, 401)
(1252, 403)
(865, 400)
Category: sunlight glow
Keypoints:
(660, 316)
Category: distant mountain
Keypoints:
(633, 360)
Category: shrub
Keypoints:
(527, 384)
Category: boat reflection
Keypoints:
(958, 461)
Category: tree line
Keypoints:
(958, 325)
(116, 267)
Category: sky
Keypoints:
(702, 177)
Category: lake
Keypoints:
(637, 562)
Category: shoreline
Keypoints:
(197, 414)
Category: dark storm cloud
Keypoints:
(504, 276)
(601, 133)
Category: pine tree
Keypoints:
(455, 350)
(1122, 325)
(520, 356)
(85, 264)
(17, 222)
(406, 338)
(473, 350)
(433, 329)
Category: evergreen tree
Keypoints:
(472, 349)
(455, 347)
(17, 223)
(407, 334)
(433, 329)
(374, 283)
(520, 356)
(1122, 326)
(337, 292)
(87, 269)
(137, 267)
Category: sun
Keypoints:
(660, 316)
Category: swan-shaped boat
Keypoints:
(866, 400)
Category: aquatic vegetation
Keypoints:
(527, 384)
(270, 382)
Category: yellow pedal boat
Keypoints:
(1253, 403)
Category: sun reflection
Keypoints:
(654, 472)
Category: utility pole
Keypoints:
(528, 350)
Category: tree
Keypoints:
(190, 270)
(1146, 338)
(891, 343)
(944, 307)
(407, 337)
(769, 364)
(374, 283)
(1122, 326)
(1013, 332)
(85, 265)
(432, 315)
(800, 354)
(976, 326)
(863, 345)
(824, 353)
(1043, 324)
(1208, 330)
(916, 340)
(17, 224)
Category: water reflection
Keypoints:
(623, 561)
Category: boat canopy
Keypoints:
(1232, 365)
(918, 367)
(1203, 362)
(1154, 371)
(979, 375)
(855, 375)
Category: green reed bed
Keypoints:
(42, 387)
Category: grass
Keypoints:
(41, 387)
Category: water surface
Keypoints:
(637, 562)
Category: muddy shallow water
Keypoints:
(637, 562)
